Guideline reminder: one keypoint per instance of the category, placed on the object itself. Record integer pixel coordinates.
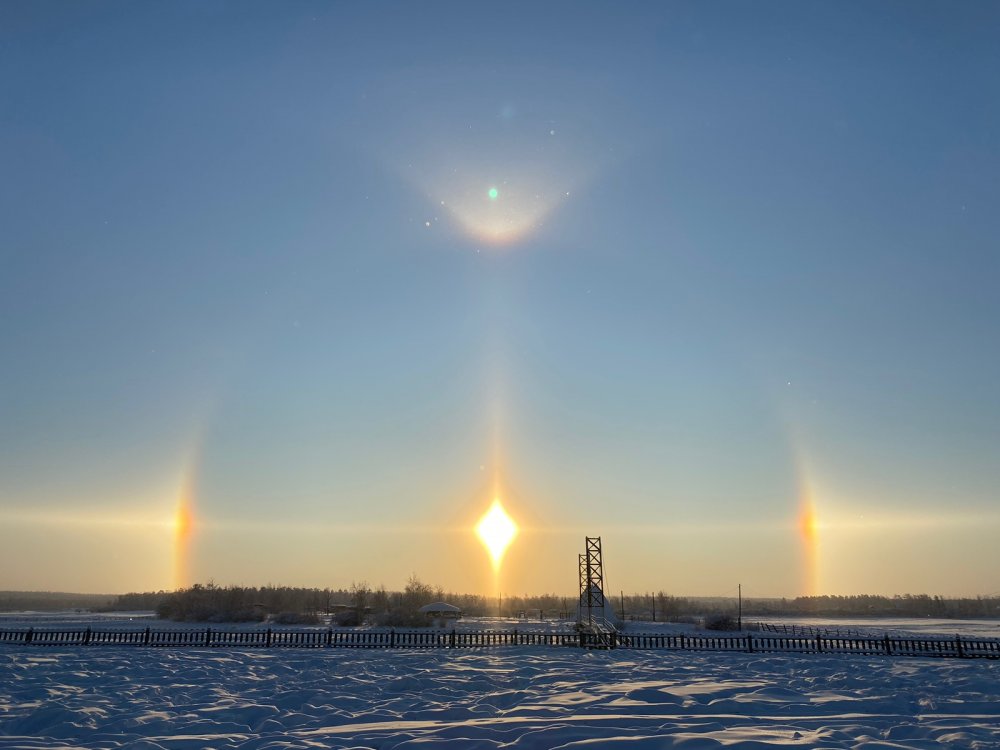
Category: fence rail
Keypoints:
(810, 630)
(957, 647)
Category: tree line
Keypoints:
(354, 605)
(51, 601)
(360, 603)
(663, 606)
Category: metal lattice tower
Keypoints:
(592, 578)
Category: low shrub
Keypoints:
(295, 618)
(401, 619)
(346, 619)
(685, 620)
(721, 622)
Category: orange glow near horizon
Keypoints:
(809, 533)
(183, 526)
(496, 530)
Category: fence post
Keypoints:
(683, 646)
(819, 643)
(749, 643)
(29, 635)
(451, 639)
(86, 636)
(145, 638)
(392, 638)
(582, 634)
(329, 637)
(958, 646)
(208, 636)
(888, 645)
(268, 642)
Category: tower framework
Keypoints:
(592, 580)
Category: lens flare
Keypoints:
(505, 214)
(496, 530)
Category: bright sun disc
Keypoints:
(496, 530)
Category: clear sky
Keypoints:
(290, 292)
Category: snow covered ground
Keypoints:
(514, 697)
(519, 697)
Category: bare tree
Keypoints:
(360, 594)
(380, 600)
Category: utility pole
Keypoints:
(739, 616)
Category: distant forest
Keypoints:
(907, 605)
(861, 605)
(52, 601)
(205, 602)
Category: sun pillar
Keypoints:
(183, 529)
(809, 534)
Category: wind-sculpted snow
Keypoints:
(516, 698)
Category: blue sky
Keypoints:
(741, 263)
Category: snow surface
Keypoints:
(525, 697)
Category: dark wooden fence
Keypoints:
(808, 630)
(957, 647)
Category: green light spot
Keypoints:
(493, 194)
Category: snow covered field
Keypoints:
(513, 697)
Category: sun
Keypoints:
(496, 530)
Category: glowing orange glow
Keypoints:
(809, 532)
(496, 530)
(809, 524)
(184, 526)
(183, 522)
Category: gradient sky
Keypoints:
(734, 308)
